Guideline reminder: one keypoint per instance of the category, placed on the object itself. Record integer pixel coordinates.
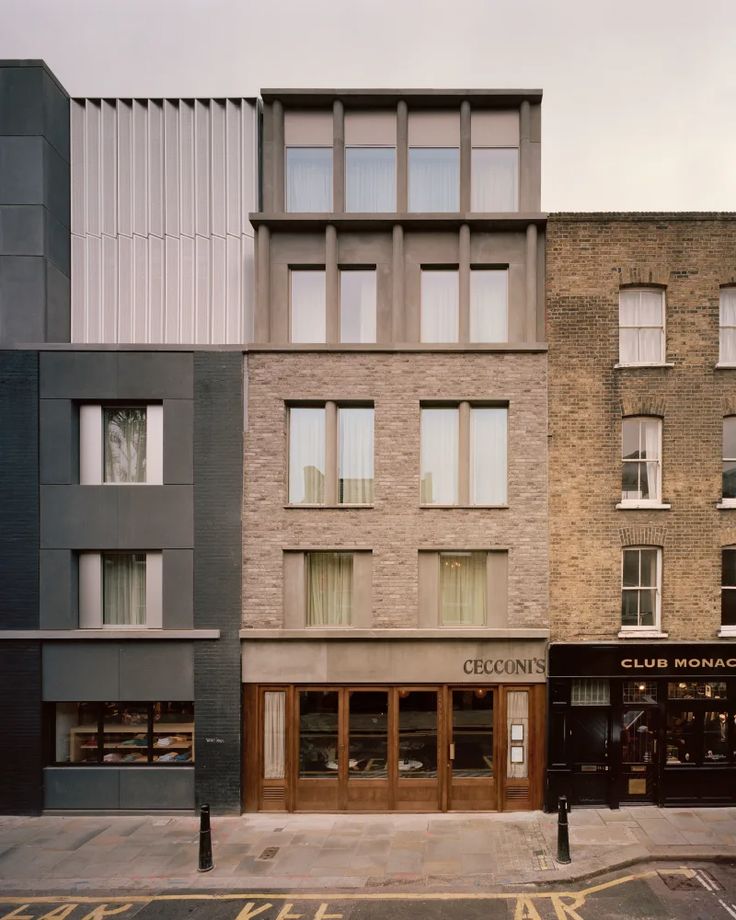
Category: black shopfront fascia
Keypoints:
(590, 740)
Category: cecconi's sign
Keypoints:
(679, 664)
(499, 666)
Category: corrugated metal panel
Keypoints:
(162, 250)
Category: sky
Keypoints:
(639, 108)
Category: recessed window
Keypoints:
(308, 306)
(494, 179)
(489, 293)
(329, 589)
(440, 295)
(125, 444)
(434, 179)
(641, 442)
(463, 580)
(728, 586)
(640, 588)
(358, 305)
(370, 179)
(728, 325)
(641, 326)
(728, 487)
(307, 456)
(588, 691)
(121, 445)
(309, 179)
(120, 589)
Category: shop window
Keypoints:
(358, 305)
(639, 736)
(472, 732)
(682, 742)
(728, 587)
(120, 590)
(641, 326)
(440, 305)
(517, 717)
(318, 733)
(308, 306)
(640, 589)
(417, 734)
(728, 488)
(368, 734)
(463, 580)
(489, 307)
(274, 734)
(329, 589)
(715, 736)
(123, 734)
(120, 445)
(639, 691)
(641, 442)
(728, 325)
(697, 690)
(590, 692)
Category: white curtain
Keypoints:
(651, 439)
(489, 305)
(434, 179)
(641, 321)
(306, 456)
(125, 445)
(309, 179)
(439, 456)
(728, 326)
(274, 734)
(517, 714)
(330, 589)
(358, 306)
(495, 179)
(308, 306)
(355, 470)
(463, 589)
(488, 455)
(440, 296)
(370, 179)
(124, 589)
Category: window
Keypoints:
(640, 592)
(123, 734)
(587, 691)
(440, 294)
(729, 460)
(329, 589)
(697, 690)
(434, 161)
(308, 306)
(476, 432)
(460, 588)
(641, 440)
(641, 326)
(463, 581)
(728, 586)
(728, 325)
(640, 691)
(370, 179)
(120, 589)
(358, 305)
(489, 305)
(309, 179)
(336, 470)
(120, 445)
(494, 160)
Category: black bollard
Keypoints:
(563, 832)
(205, 840)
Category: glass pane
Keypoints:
(638, 736)
(318, 710)
(628, 308)
(715, 737)
(650, 308)
(640, 691)
(494, 179)
(729, 479)
(628, 346)
(630, 481)
(125, 738)
(649, 428)
(306, 456)
(728, 346)
(488, 456)
(308, 306)
(647, 607)
(309, 179)
(681, 738)
(368, 734)
(649, 567)
(472, 732)
(650, 346)
(434, 179)
(631, 568)
(274, 734)
(647, 480)
(358, 306)
(728, 607)
(697, 690)
(517, 717)
(630, 437)
(630, 608)
(355, 460)
(76, 732)
(440, 294)
(728, 562)
(417, 734)
(488, 305)
(124, 589)
(329, 589)
(463, 589)
(728, 306)
(173, 733)
(589, 691)
(439, 456)
(729, 437)
(125, 445)
(370, 179)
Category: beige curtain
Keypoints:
(462, 589)
(355, 427)
(124, 589)
(517, 709)
(439, 456)
(330, 589)
(306, 456)
(274, 734)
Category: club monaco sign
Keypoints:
(627, 660)
(680, 664)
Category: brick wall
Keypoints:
(588, 257)
(396, 527)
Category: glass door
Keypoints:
(417, 768)
(368, 750)
(639, 728)
(320, 763)
(472, 750)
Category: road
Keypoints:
(652, 892)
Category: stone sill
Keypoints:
(643, 506)
(726, 504)
(725, 367)
(642, 634)
(727, 632)
(635, 367)
(342, 507)
(399, 633)
(132, 633)
(425, 507)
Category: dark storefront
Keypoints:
(654, 724)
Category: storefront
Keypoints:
(654, 724)
(372, 743)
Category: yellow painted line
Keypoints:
(342, 895)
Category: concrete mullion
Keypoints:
(464, 454)
(398, 312)
(331, 453)
(262, 329)
(465, 147)
(464, 285)
(531, 283)
(332, 281)
(524, 156)
(338, 157)
(402, 157)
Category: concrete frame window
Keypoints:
(463, 582)
(120, 590)
(329, 589)
(641, 313)
(641, 448)
(489, 305)
(440, 305)
(331, 454)
(728, 478)
(309, 180)
(434, 161)
(641, 586)
(462, 588)
(464, 455)
(727, 326)
(494, 160)
(307, 306)
(728, 590)
(358, 305)
(121, 445)
(370, 179)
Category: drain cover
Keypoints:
(692, 881)
(269, 853)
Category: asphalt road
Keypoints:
(654, 892)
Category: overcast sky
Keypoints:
(639, 109)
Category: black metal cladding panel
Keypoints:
(21, 782)
(19, 535)
(658, 659)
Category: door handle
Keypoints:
(452, 751)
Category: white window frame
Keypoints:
(725, 502)
(663, 327)
(92, 446)
(725, 289)
(655, 628)
(643, 502)
(724, 631)
(91, 593)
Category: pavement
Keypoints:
(329, 852)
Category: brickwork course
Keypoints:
(589, 256)
(396, 528)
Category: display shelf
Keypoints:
(83, 740)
